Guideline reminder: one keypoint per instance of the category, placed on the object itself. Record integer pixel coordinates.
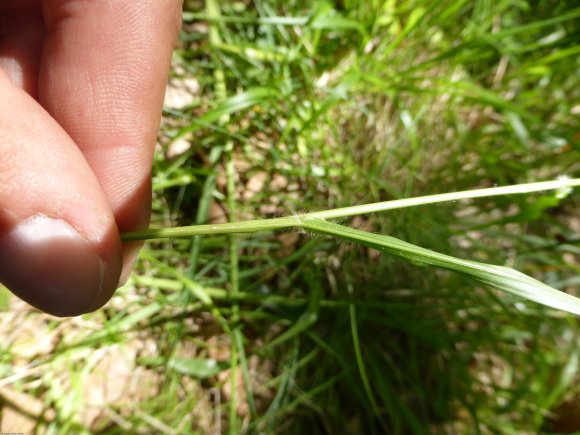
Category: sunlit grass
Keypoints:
(392, 120)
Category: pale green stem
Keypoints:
(252, 226)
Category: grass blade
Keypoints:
(502, 278)
(232, 105)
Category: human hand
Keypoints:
(81, 91)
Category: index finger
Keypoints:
(102, 77)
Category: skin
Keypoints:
(81, 92)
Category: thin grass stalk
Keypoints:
(252, 226)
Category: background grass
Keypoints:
(279, 107)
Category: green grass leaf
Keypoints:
(232, 105)
(502, 278)
(199, 368)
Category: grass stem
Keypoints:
(251, 226)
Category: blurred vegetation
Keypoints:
(276, 107)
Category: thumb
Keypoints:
(59, 244)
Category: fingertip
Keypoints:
(130, 255)
(47, 263)
(60, 248)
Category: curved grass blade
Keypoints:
(232, 105)
(502, 278)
